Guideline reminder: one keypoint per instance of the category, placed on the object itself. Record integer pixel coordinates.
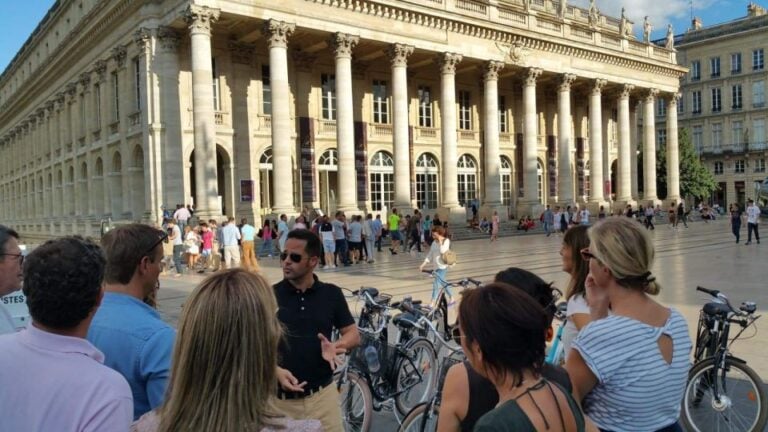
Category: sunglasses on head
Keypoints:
(586, 255)
(294, 257)
(162, 236)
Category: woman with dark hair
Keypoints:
(467, 395)
(574, 241)
(506, 345)
(440, 245)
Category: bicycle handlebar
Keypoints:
(713, 293)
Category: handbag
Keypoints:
(448, 257)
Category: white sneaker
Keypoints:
(326, 267)
(333, 266)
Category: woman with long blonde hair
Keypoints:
(224, 361)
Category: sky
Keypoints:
(18, 18)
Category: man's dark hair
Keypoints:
(532, 285)
(124, 248)
(313, 247)
(62, 281)
(511, 330)
(5, 235)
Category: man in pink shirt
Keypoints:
(52, 379)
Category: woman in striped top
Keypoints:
(629, 369)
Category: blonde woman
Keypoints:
(224, 362)
(192, 246)
(629, 369)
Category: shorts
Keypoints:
(356, 246)
(395, 235)
(206, 252)
(329, 246)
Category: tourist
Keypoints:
(440, 245)
(207, 246)
(753, 219)
(369, 230)
(495, 222)
(11, 260)
(394, 231)
(557, 218)
(182, 215)
(672, 213)
(548, 220)
(355, 233)
(282, 231)
(339, 225)
(506, 344)
(467, 395)
(309, 311)
(426, 231)
(300, 223)
(682, 215)
(178, 245)
(133, 337)
(329, 242)
(266, 235)
(649, 213)
(735, 217)
(629, 368)
(191, 246)
(248, 234)
(414, 231)
(224, 364)
(230, 235)
(584, 216)
(52, 378)
(378, 231)
(577, 314)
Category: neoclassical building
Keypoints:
(116, 108)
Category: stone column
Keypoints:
(564, 141)
(673, 156)
(398, 55)
(150, 129)
(649, 147)
(282, 166)
(530, 144)
(623, 166)
(449, 209)
(343, 44)
(596, 175)
(633, 177)
(492, 198)
(167, 63)
(200, 20)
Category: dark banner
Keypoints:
(246, 190)
(361, 161)
(307, 148)
(519, 164)
(552, 164)
(580, 166)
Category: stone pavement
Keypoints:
(704, 254)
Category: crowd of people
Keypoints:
(248, 355)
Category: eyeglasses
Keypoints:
(19, 256)
(456, 334)
(586, 255)
(162, 237)
(294, 257)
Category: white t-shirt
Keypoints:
(585, 217)
(6, 322)
(576, 305)
(753, 214)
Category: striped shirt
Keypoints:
(637, 390)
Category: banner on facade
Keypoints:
(246, 190)
(307, 155)
(361, 161)
(552, 164)
(580, 167)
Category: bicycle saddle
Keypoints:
(713, 309)
(405, 320)
(373, 292)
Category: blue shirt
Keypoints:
(136, 343)
(230, 235)
(248, 231)
(377, 225)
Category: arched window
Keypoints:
(117, 163)
(99, 167)
(382, 180)
(540, 180)
(328, 167)
(467, 179)
(505, 175)
(138, 157)
(329, 160)
(265, 179)
(426, 181)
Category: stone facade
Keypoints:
(118, 108)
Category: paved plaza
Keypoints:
(704, 254)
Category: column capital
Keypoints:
(343, 44)
(448, 62)
(71, 90)
(85, 79)
(625, 90)
(242, 53)
(200, 19)
(565, 82)
(672, 98)
(49, 106)
(399, 53)
(100, 67)
(650, 95)
(119, 53)
(532, 75)
(278, 32)
(142, 38)
(491, 70)
(597, 86)
(169, 39)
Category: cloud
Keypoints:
(660, 13)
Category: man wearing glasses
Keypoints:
(310, 310)
(11, 260)
(134, 339)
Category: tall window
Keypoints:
(736, 97)
(696, 101)
(736, 63)
(717, 99)
(137, 82)
(380, 102)
(426, 181)
(717, 136)
(540, 181)
(697, 138)
(506, 181)
(760, 165)
(695, 70)
(661, 107)
(216, 92)
(467, 179)
(714, 67)
(661, 137)
(758, 131)
(465, 110)
(503, 125)
(718, 168)
(758, 94)
(328, 85)
(738, 166)
(737, 132)
(382, 179)
(97, 104)
(266, 179)
(115, 97)
(425, 107)
(758, 59)
(681, 105)
(266, 91)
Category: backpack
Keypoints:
(448, 257)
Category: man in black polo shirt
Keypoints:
(309, 310)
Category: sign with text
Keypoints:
(16, 304)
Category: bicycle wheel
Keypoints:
(355, 402)
(742, 403)
(416, 374)
(421, 419)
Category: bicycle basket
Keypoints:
(387, 354)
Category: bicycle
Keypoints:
(556, 351)
(439, 313)
(722, 392)
(401, 372)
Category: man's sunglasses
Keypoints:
(294, 257)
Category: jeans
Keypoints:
(736, 228)
(369, 245)
(341, 251)
(415, 240)
(265, 248)
(438, 278)
(752, 227)
(649, 222)
(177, 251)
(378, 243)
(547, 228)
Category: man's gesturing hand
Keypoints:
(330, 351)
(289, 382)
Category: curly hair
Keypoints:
(62, 281)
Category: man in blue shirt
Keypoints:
(377, 227)
(230, 234)
(134, 339)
